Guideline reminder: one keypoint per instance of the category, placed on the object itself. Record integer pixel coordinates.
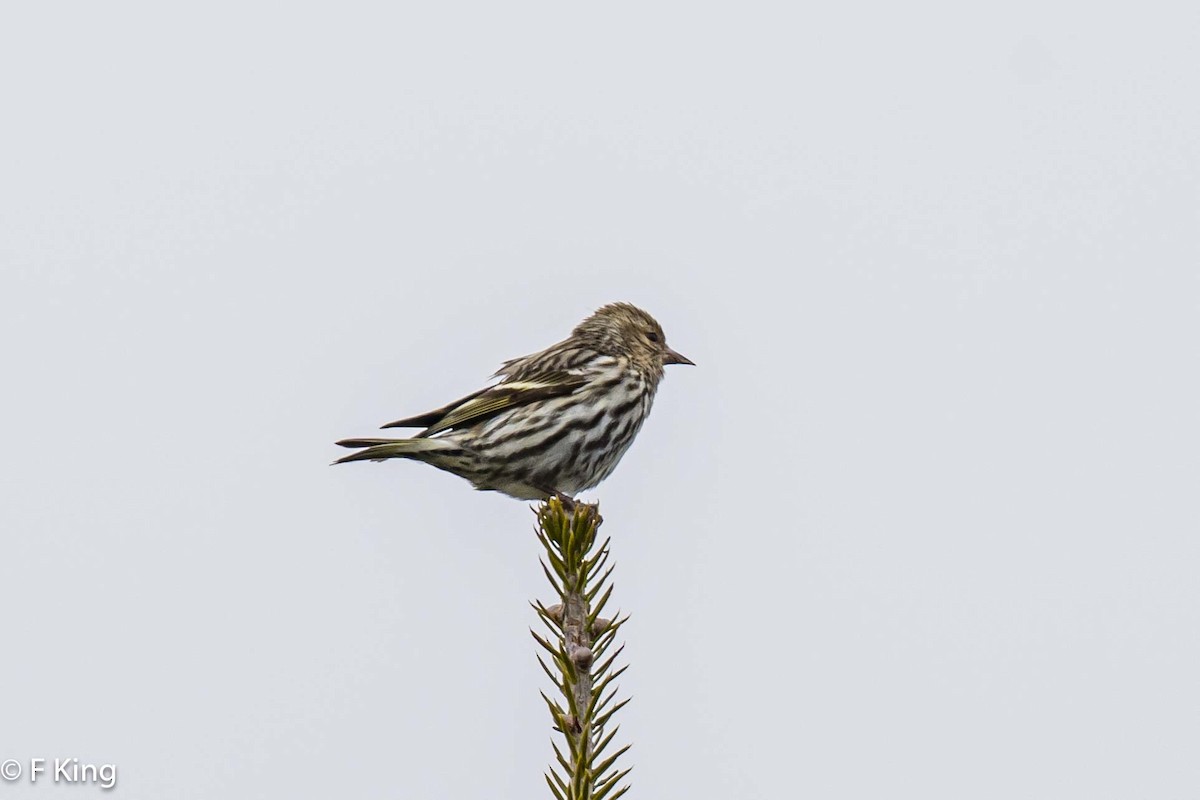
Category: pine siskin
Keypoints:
(557, 422)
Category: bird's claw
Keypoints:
(574, 507)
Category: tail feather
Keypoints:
(383, 449)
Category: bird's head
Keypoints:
(621, 329)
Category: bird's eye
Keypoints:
(652, 336)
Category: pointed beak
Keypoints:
(671, 357)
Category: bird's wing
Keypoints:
(491, 401)
(432, 417)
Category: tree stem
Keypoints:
(576, 565)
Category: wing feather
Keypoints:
(489, 402)
(432, 417)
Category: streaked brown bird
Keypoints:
(557, 422)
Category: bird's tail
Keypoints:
(383, 449)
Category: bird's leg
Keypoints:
(571, 505)
(574, 507)
(568, 502)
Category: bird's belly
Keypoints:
(560, 446)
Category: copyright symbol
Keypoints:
(10, 770)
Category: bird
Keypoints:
(557, 421)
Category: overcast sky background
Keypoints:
(922, 522)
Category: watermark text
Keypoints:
(60, 770)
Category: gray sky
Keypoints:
(921, 523)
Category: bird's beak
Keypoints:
(671, 357)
